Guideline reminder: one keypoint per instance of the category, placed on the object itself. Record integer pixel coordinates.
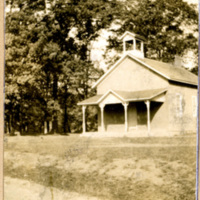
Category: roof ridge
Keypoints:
(162, 68)
(158, 61)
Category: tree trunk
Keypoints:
(55, 86)
(45, 127)
(12, 130)
(66, 126)
(55, 123)
(50, 126)
(55, 97)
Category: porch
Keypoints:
(124, 113)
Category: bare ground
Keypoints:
(110, 169)
(19, 189)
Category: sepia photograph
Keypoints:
(100, 100)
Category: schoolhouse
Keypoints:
(144, 97)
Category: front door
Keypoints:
(132, 115)
(141, 114)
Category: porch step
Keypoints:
(133, 133)
(114, 134)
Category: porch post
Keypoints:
(148, 115)
(102, 117)
(142, 46)
(126, 116)
(134, 44)
(84, 125)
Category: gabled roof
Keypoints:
(90, 101)
(178, 74)
(133, 35)
(125, 96)
(168, 71)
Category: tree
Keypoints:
(49, 65)
(162, 23)
(20, 71)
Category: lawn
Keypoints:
(106, 168)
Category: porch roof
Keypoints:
(125, 96)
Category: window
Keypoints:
(129, 45)
(194, 106)
(179, 105)
(138, 45)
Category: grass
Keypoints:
(108, 168)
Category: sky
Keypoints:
(192, 1)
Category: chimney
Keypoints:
(133, 44)
(177, 61)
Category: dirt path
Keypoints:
(18, 189)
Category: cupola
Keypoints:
(133, 43)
